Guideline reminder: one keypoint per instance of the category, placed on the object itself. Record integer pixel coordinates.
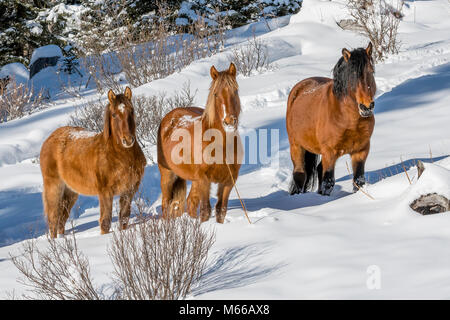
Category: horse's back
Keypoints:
(178, 118)
(307, 88)
(64, 146)
(307, 102)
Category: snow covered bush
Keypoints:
(160, 259)
(153, 259)
(253, 56)
(18, 100)
(378, 20)
(60, 271)
(238, 12)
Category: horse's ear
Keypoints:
(127, 93)
(106, 125)
(214, 73)
(346, 54)
(232, 69)
(111, 96)
(369, 49)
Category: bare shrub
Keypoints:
(149, 111)
(253, 56)
(19, 100)
(89, 116)
(378, 21)
(60, 271)
(104, 70)
(160, 259)
(153, 259)
(163, 51)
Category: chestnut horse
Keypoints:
(332, 117)
(219, 119)
(75, 161)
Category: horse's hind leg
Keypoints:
(199, 195)
(299, 176)
(173, 190)
(52, 196)
(68, 200)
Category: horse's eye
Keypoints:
(113, 115)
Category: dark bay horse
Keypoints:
(75, 161)
(332, 117)
(210, 154)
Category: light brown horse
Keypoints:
(75, 161)
(332, 117)
(196, 127)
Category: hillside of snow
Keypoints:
(303, 246)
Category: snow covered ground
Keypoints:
(304, 246)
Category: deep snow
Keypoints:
(304, 246)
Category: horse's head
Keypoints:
(224, 98)
(119, 119)
(353, 76)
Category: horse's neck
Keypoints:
(114, 146)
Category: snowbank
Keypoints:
(15, 70)
(48, 51)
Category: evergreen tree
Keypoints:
(20, 33)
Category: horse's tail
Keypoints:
(311, 170)
(178, 203)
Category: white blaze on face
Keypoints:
(226, 127)
(224, 111)
(121, 108)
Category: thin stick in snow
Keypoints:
(237, 192)
(359, 188)
(404, 169)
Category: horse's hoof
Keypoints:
(220, 219)
(326, 188)
(294, 189)
(297, 184)
(358, 183)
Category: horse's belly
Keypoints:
(80, 182)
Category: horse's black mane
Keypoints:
(346, 74)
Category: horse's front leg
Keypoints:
(193, 199)
(223, 193)
(327, 180)
(205, 204)
(125, 208)
(106, 201)
(358, 162)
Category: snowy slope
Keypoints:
(306, 246)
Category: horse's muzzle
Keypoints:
(230, 124)
(128, 144)
(366, 111)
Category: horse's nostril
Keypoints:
(372, 105)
